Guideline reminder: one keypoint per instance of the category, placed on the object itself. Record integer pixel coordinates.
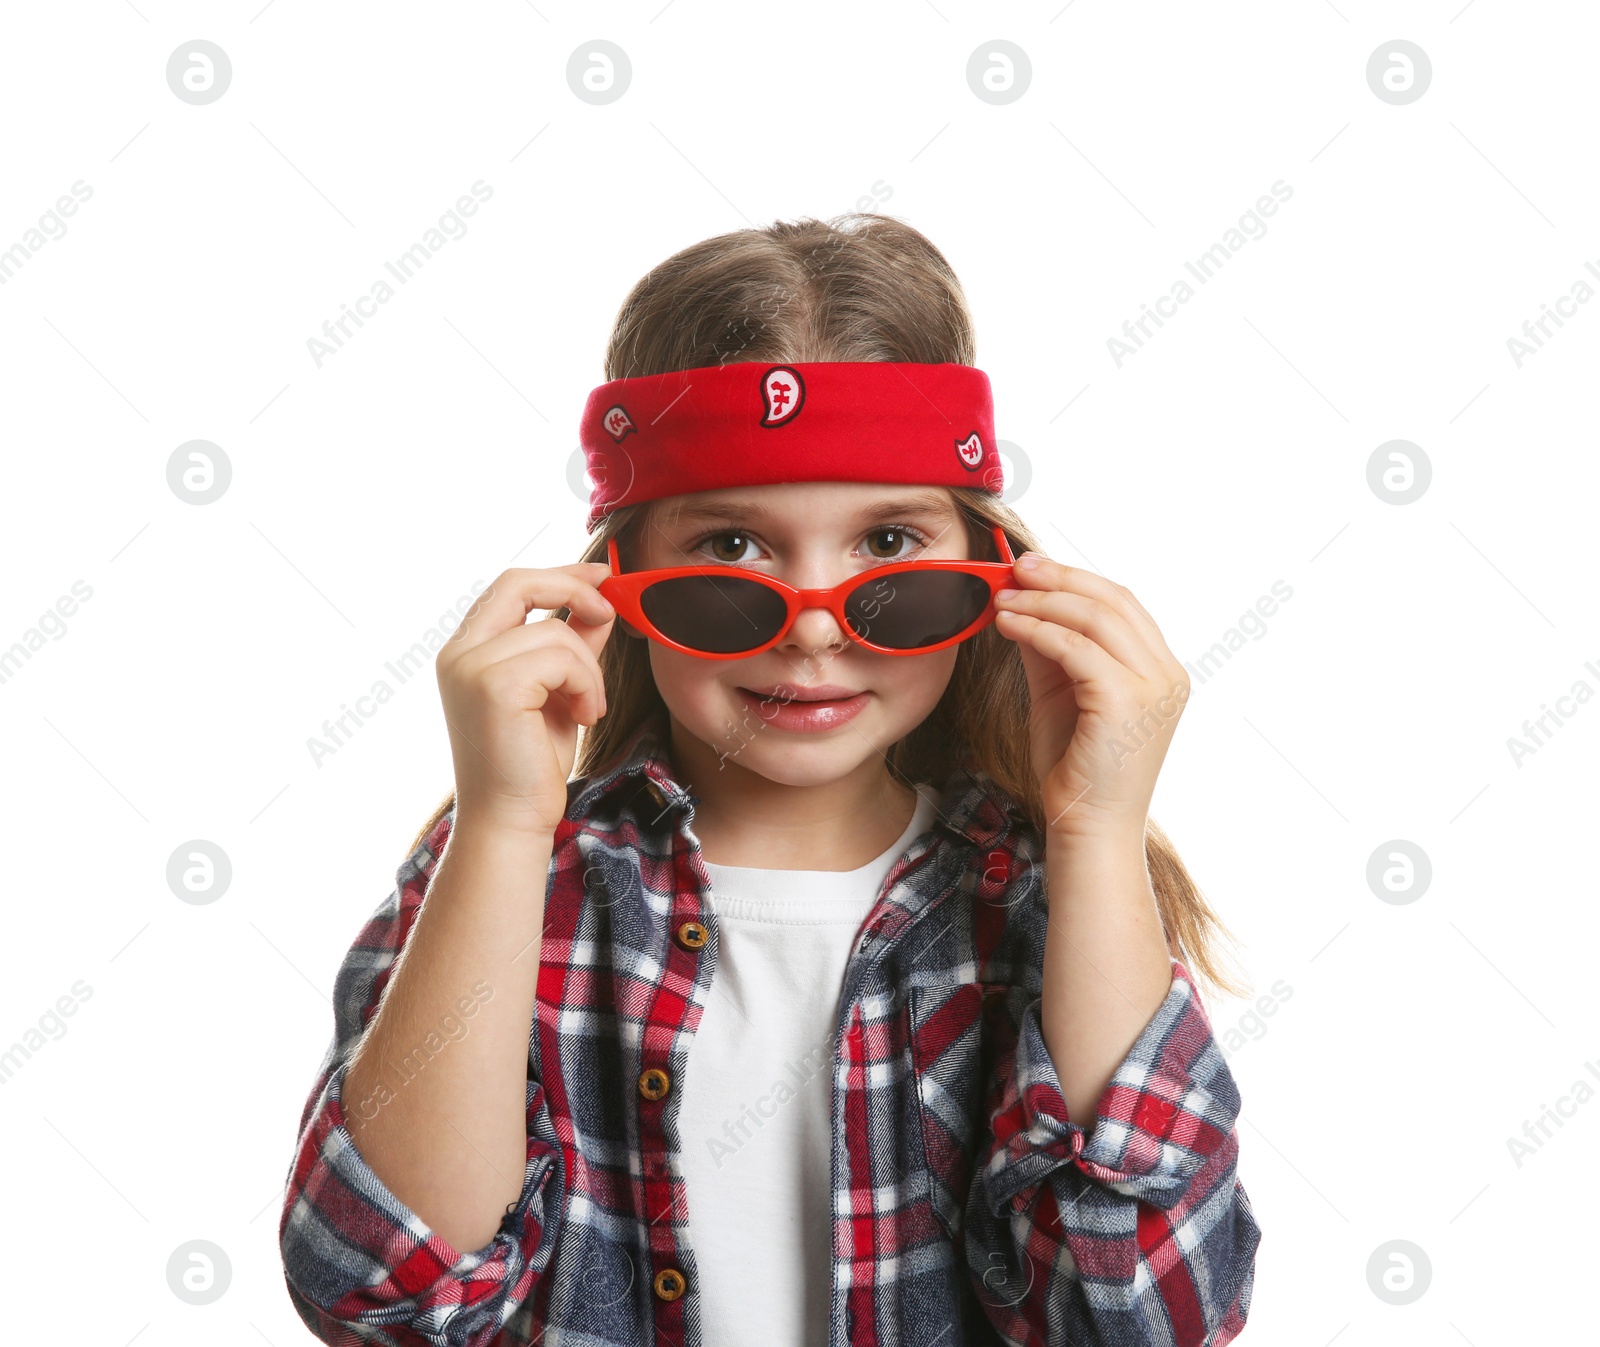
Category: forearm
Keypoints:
(436, 1097)
(1106, 962)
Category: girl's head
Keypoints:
(861, 287)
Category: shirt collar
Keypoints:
(641, 780)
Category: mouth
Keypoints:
(809, 710)
(822, 692)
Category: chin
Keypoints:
(819, 766)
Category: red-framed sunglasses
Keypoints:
(721, 612)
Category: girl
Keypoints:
(842, 994)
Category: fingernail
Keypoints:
(1028, 560)
(1007, 593)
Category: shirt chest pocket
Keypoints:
(952, 1036)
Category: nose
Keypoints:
(815, 629)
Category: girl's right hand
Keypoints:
(515, 692)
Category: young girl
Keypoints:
(842, 995)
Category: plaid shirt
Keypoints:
(967, 1207)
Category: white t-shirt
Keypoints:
(754, 1118)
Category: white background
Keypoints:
(433, 451)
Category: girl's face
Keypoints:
(749, 712)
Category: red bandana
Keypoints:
(755, 423)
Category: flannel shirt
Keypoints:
(968, 1208)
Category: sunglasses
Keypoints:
(719, 612)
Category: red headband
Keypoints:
(755, 423)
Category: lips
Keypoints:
(820, 692)
(820, 709)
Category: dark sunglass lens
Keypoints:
(911, 609)
(722, 615)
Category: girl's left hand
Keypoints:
(1105, 694)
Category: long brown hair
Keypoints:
(861, 286)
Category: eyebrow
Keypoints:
(921, 503)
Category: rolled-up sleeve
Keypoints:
(1133, 1231)
(361, 1266)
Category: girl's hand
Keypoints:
(515, 692)
(1105, 695)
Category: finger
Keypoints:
(1049, 574)
(1083, 660)
(1171, 665)
(518, 591)
(1132, 598)
(1109, 627)
(561, 672)
(547, 634)
(592, 634)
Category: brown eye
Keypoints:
(891, 533)
(717, 540)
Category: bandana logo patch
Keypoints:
(618, 422)
(782, 392)
(970, 451)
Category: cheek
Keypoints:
(941, 668)
(911, 685)
(927, 670)
(685, 681)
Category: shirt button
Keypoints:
(692, 935)
(654, 1083)
(670, 1283)
(653, 789)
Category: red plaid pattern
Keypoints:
(968, 1208)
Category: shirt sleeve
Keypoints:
(1133, 1231)
(361, 1267)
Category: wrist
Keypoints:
(1107, 840)
(1101, 876)
(491, 830)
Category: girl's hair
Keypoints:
(861, 286)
